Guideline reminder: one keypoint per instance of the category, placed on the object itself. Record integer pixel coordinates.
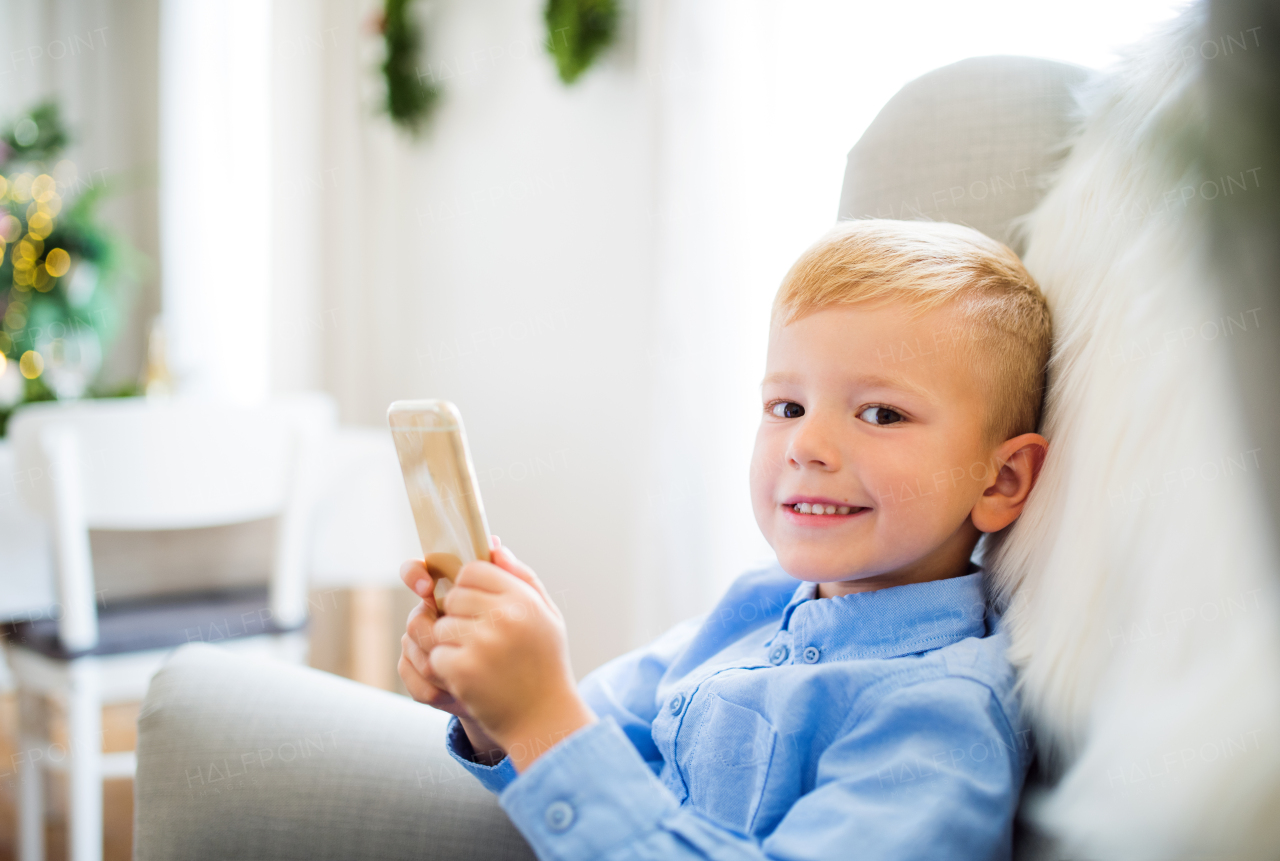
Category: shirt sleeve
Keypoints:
(930, 771)
(624, 689)
(492, 777)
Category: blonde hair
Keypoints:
(929, 265)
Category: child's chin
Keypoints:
(817, 567)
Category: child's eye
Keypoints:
(880, 416)
(786, 409)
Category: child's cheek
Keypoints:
(924, 480)
(763, 482)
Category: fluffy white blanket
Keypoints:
(1141, 580)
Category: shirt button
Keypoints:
(559, 815)
(779, 654)
(676, 703)
(811, 654)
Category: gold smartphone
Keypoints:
(441, 482)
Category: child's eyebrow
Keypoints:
(777, 377)
(881, 382)
(873, 381)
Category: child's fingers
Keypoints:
(420, 625)
(485, 576)
(418, 687)
(416, 656)
(451, 630)
(506, 560)
(443, 659)
(414, 574)
(424, 609)
(465, 601)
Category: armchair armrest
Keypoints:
(251, 759)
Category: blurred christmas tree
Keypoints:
(62, 274)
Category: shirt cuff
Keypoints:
(587, 795)
(493, 777)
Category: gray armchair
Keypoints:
(247, 759)
(241, 760)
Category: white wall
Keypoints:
(299, 47)
(216, 195)
(502, 262)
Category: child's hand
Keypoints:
(502, 650)
(415, 667)
(415, 646)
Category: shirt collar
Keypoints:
(887, 623)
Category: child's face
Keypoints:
(878, 414)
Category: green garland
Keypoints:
(409, 99)
(577, 32)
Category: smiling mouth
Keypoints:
(815, 509)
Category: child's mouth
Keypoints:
(818, 509)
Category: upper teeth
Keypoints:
(815, 508)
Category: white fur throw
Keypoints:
(1141, 579)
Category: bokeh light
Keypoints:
(26, 132)
(21, 189)
(31, 364)
(40, 225)
(50, 207)
(15, 317)
(43, 187)
(57, 262)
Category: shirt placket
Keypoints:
(800, 635)
(779, 650)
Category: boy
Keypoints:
(852, 700)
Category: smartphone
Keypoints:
(441, 482)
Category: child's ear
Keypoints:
(1017, 466)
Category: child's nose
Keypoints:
(814, 444)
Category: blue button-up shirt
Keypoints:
(878, 725)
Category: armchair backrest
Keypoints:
(972, 143)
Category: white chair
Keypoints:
(132, 465)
